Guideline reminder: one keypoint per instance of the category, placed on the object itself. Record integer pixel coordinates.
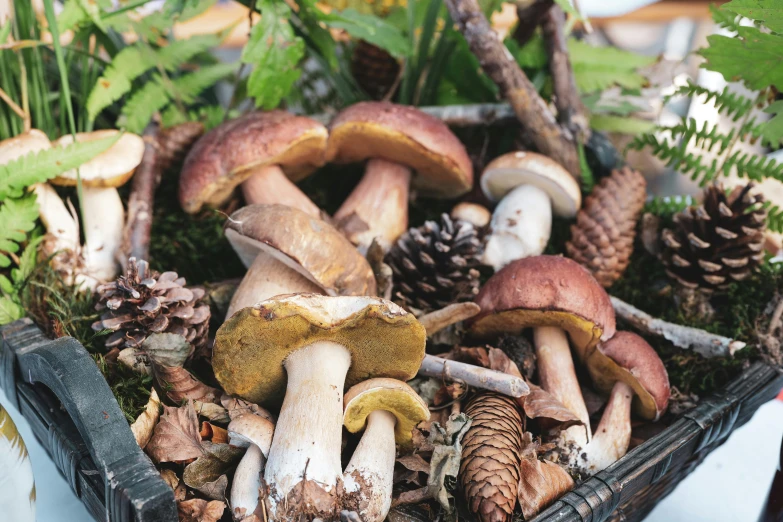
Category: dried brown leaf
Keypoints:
(177, 384)
(175, 483)
(144, 424)
(208, 473)
(541, 483)
(213, 412)
(237, 407)
(167, 349)
(414, 463)
(198, 510)
(541, 404)
(214, 434)
(176, 437)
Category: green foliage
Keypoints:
(668, 205)
(768, 11)
(10, 288)
(728, 103)
(598, 68)
(621, 124)
(370, 28)
(752, 56)
(17, 218)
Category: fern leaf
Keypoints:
(26, 262)
(179, 52)
(145, 102)
(668, 205)
(37, 167)
(771, 132)
(774, 217)
(10, 310)
(748, 165)
(126, 66)
(189, 86)
(597, 68)
(677, 158)
(707, 137)
(17, 218)
(732, 104)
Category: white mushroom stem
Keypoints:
(558, 377)
(520, 227)
(370, 472)
(104, 220)
(613, 436)
(247, 483)
(270, 185)
(267, 277)
(308, 435)
(59, 222)
(378, 206)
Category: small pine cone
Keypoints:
(375, 69)
(174, 143)
(491, 457)
(602, 238)
(717, 242)
(435, 265)
(143, 302)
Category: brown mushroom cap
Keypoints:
(251, 347)
(405, 135)
(545, 291)
(627, 357)
(112, 168)
(22, 144)
(306, 244)
(390, 395)
(228, 154)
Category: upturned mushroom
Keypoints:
(265, 152)
(104, 215)
(387, 410)
(396, 139)
(287, 251)
(530, 187)
(254, 433)
(305, 349)
(556, 297)
(632, 373)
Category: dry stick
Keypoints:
(529, 15)
(570, 110)
(436, 321)
(550, 138)
(458, 115)
(701, 342)
(475, 376)
(136, 237)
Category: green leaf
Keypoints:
(321, 38)
(772, 131)
(115, 82)
(37, 167)
(10, 311)
(190, 85)
(369, 28)
(275, 52)
(179, 52)
(596, 104)
(598, 68)
(725, 18)
(71, 16)
(5, 30)
(768, 11)
(93, 10)
(532, 55)
(145, 102)
(26, 261)
(754, 57)
(588, 179)
(6, 286)
(621, 124)
(17, 218)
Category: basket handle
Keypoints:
(134, 489)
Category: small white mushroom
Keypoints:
(254, 433)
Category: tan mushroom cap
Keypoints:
(112, 168)
(251, 347)
(306, 244)
(228, 154)
(509, 171)
(628, 358)
(251, 429)
(33, 140)
(405, 135)
(390, 395)
(545, 291)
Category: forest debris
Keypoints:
(542, 482)
(208, 473)
(170, 477)
(138, 225)
(144, 424)
(198, 510)
(437, 320)
(176, 437)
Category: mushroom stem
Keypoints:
(520, 226)
(104, 219)
(268, 277)
(247, 483)
(558, 377)
(61, 227)
(370, 472)
(613, 436)
(269, 185)
(378, 206)
(308, 436)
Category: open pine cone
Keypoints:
(717, 242)
(143, 302)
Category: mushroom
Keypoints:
(555, 296)
(627, 368)
(104, 215)
(395, 139)
(254, 433)
(264, 151)
(307, 348)
(530, 188)
(288, 251)
(387, 410)
(475, 214)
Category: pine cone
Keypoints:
(491, 455)
(375, 69)
(141, 302)
(435, 265)
(174, 143)
(602, 238)
(717, 242)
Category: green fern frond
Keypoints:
(190, 85)
(668, 205)
(677, 157)
(178, 52)
(116, 81)
(143, 103)
(707, 137)
(731, 104)
(17, 218)
(752, 166)
(38, 167)
(774, 217)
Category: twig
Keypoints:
(436, 321)
(475, 376)
(570, 111)
(136, 237)
(458, 115)
(529, 14)
(550, 138)
(14, 107)
(700, 341)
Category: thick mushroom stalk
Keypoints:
(378, 206)
(520, 227)
(613, 435)
(269, 185)
(104, 219)
(254, 433)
